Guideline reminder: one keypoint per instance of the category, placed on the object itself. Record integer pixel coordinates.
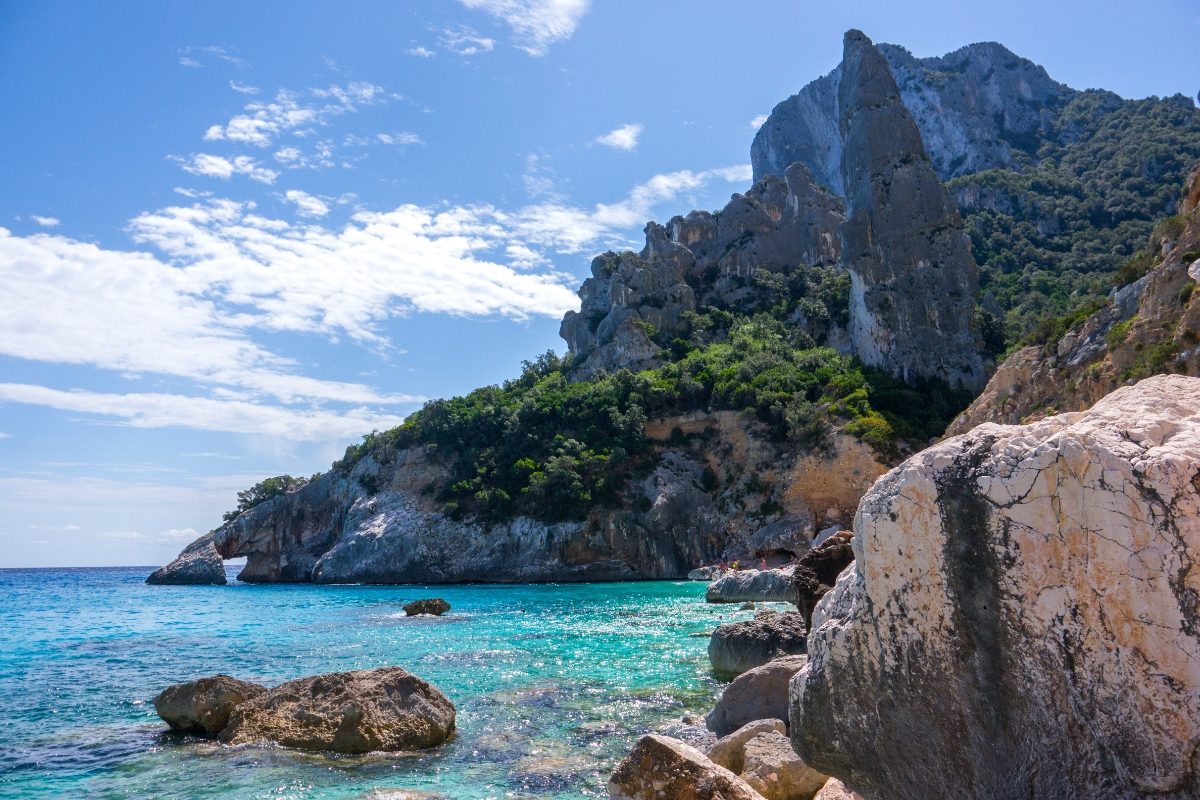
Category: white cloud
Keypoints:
(141, 410)
(758, 121)
(464, 41)
(192, 56)
(623, 138)
(299, 113)
(306, 204)
(186, 61)
(536, 23)
(46, 222)
(220, 167)
(420, 52)
(243, 88)
(402, 138)
(179, 535)
(5, 435)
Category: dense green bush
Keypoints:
(263, 491)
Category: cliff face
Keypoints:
(378, 522)
(699, 259)
(976, 108)
(1021, 619)
(1147, 327)
(913, 280)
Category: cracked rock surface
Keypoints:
(1023, 615)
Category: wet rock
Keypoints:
(362, 711)
(1025, 600)
(660, 768)
(435, 606)
(768, 586)
(199, 564)
(728, 751)
(737, 647)
(772, 768)
(759, 693)
(204, 706)
(689, 730)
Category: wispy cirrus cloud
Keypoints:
(46, 222)
(295, 112)
(536, 24)
(622, 138)
(463, 41)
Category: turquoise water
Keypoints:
(553, 683)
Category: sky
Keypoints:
(235, 237)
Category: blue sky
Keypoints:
(235, 237)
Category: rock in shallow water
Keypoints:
(768, 586)
(730, 751)
(660, 768)
(204, 706)
(760, 693)
(772, 768)
(199, 564)
(1023, 616)
(435, 606)
(740, 646)
(363, 711)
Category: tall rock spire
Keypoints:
(913, 280)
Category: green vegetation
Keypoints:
(1054, 234)
(263, 491)
(551, 448)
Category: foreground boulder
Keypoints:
(772, 768)
(199, 564)
(204, 706)
(730, 751)
(1027, 601)
(659, 768)
(760, 693)
(347, 712)
(737, 647)
(768, 586)
(435, 606)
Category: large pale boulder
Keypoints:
(760, 693)
(768, 585)
(836, 790)
(730, 750)
(737, 647)
(1023, 615)
(203, 706)
(347, 712)
(660, 768)
(772, 768)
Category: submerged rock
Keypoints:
(740, 646)
(347, 712)
(729, 750)
(203, 706)
(1023, 615)
(199, 564)
(435, 606)
(759, 693)
(660, 768)
(768, 586)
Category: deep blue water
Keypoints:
(553, 683)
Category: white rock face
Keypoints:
(1023, 617)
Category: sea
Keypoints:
(553, 683)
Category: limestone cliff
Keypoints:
(1023, 615)
(976, 108)
(699, 259)
(913, 279)
(1148, 326)
(378, 523)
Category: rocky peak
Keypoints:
(977, 108)
(913, 280)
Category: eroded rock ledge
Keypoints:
(1026, 601)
